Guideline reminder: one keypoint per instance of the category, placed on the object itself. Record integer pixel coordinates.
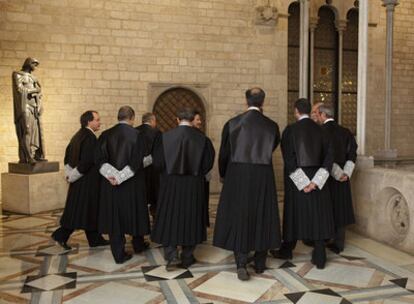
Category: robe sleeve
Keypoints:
(351, 155)
(86, 161)
(138, 151)
(225, 151)
(277, 138)
(101, 152)
(158, 159)
(208, 157)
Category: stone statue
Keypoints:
(27, 99)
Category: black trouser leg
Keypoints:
(260, 260)
(62, 234)
(319, 254)
(117, 242)
(187, 253)
(241, 259)
(170, 253)
(94, 238)
(339, 240)
(138, 243)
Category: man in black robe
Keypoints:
(123, 209)
(345, 153)
(81, 208)
(248, 216)
(152, 178)
(184, 156)
(308, 160)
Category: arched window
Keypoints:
(293, 57)
(167, 104)
(325, 86)
(350, 72)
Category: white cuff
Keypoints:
(208, 176)
(349, 168)
(320, 177)
(336, 172)
(124, 175)
(68, 170)
(147, 161)
(108, 171)
(300, 179)
(74, 176)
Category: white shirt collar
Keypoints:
(303, 116)
(147, 123)
(90, 130)
(328, 120)
(185, 123)
(254, 108)
(123, 122)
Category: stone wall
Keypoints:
(103, 54)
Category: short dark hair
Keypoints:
(255, 97)
(86, 117)
(125, 112)
(186, 114)
(147, 117)
(303, 106)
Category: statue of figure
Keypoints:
(27, 99)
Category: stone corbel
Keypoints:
(267, 15)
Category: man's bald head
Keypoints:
(255, 97)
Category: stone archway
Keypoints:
(167, 104)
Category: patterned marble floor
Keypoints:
(34, 270)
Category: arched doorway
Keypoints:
(170, 101)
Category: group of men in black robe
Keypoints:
(170, 171)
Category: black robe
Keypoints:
(183, 155)
(247, 215)
(81, 208)
(344, 149)
(152, 177)
(306, 216)
(123, 208)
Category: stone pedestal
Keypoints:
(38, 167)
(33, 193)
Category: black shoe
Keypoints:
(145, 246)
(172, 264)
(335, 248)
(102, 242)
(320, 264)
(186, 263)
(126, 257)
(242, 274)
(259, 269)
(62, 244)
(281, 254)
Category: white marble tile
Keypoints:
(9, 266)
(317, 298)
(248, 291)
(16, 241)
(160, 272)
(209, 254)
(104, 261)
(342, 274)
(50, 282)
(27, 222)
(113, 292)
(54, 250)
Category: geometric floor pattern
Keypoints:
(34, 270)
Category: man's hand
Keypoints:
(309, 188)
(113, 181)
(344, 178)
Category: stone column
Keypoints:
(390, 6)
(313, 23)
(362, 74)
(304, 48)
(340, 27)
